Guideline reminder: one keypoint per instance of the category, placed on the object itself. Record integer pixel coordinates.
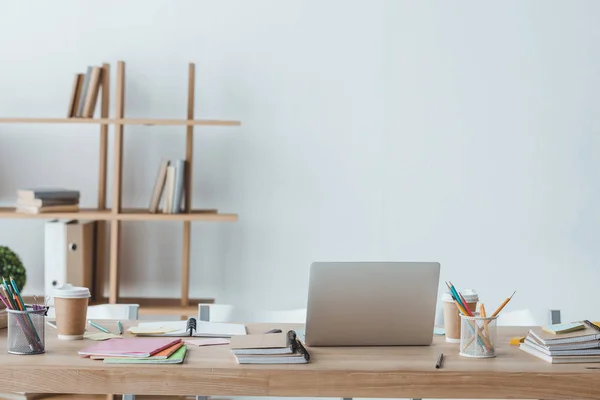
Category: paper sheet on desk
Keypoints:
(101, 336)
(151, 328)
(207, 342)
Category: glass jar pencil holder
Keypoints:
(26, 331)
(478, 336)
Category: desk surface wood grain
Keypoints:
(400, 372)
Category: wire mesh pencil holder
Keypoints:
(26, 331)
(478, 336)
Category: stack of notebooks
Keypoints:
(575, 343)
(40, 200)
(189, 328)
(269, 348)
(137, 351)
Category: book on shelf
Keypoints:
(169, 187)
(580, 346)
(159, 185)
(41, 200)
(269, 348)
(84, 94)
(48, 193)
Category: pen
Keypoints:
(120, 327)
(440, 360)
(274, 331)
(95, 325)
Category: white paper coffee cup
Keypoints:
(70, 304)
(452, 316)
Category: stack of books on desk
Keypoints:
(579, 346)
(137, 351)
(35, 201)
(269, 348)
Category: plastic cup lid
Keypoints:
(470, 296)
(68, 291)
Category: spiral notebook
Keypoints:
(190, 328)
(270, 348)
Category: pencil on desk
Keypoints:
(95, 325)
(440, 360)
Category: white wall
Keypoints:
(461, 132)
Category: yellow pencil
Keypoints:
(503, 304)
(485, 325)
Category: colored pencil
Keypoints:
(483, 314)
(503, 304)
(95, 325)
(19, 299)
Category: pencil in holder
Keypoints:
(478, 336)
(26, 331)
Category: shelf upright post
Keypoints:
(189, 156)
(115, 224)
(102, 179)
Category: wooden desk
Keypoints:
(401, 372)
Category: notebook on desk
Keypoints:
(270, 348)
(582, 335)
(128, 347)
(190, 328)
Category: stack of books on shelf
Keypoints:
(137, 351)
(169, 187)
(84, 94)
(565, 344)
(41, 200)
(269, 348)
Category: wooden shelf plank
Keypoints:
(194, 215)
(123, 121)
(83, 213)
(135, 214)
(150, 121)
(55, 120)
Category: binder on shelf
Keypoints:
(69, 253)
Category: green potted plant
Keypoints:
(11, 265)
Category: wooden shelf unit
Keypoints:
(112, 218)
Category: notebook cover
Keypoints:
(559, 329)
(161, 355)
(295, 358)
(175, 358)
(550, 351)
(571, 337)
(272, 343)
(129, 347)
(264, 341)
(558, 359)
(588, 344)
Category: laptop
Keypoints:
(371, 303)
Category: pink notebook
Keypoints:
(129, 347)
